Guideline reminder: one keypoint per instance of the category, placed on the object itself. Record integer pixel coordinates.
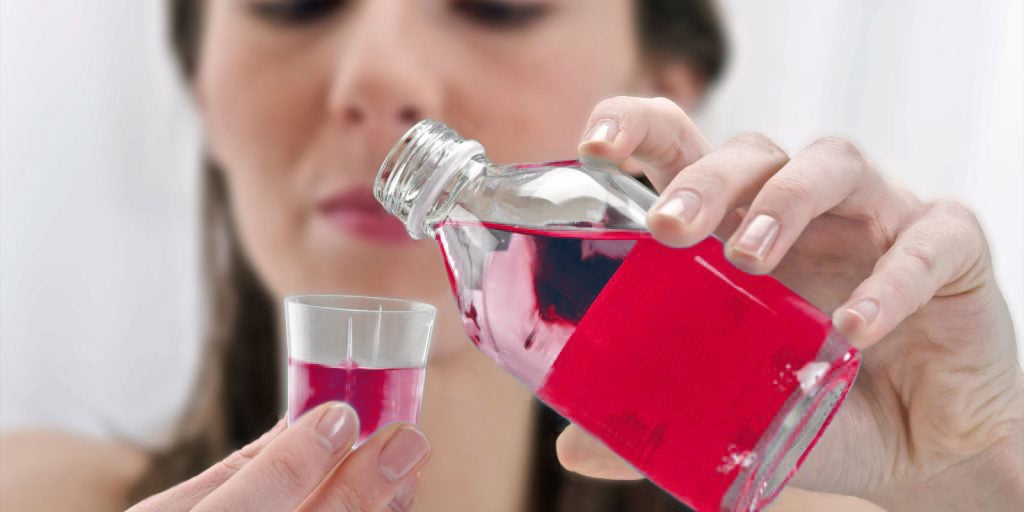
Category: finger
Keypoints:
(403, 500)
(376, 475)
(291, 465)
(830, 175)
(187, 494)
(697, 200)
(650, 135)
(937, 254)
(581, 453)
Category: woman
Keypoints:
(301, 99)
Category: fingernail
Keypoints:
(757, 239)
(337, 427)
(604, 131)
(682, 204)
(866, 309)
(406, 448)
(403, 500)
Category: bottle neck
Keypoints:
(413, 179)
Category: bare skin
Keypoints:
(51, 470)
(936, 418)
(296, 111)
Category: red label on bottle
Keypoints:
(681, 364)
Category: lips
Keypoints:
(355, 212)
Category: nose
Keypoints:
(381, 84)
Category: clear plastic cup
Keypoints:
(369, 352)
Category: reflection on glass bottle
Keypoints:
(712, 382)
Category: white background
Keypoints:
(98, 165)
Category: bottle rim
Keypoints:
(416, 170)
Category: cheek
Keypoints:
(530, 104)
(236, 118)
(258, 110)
(258, 113)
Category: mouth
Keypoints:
(354, 211)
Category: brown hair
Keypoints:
(237, 395)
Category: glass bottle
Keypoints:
(712, 382)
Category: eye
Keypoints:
(295, 12)
(501, 15)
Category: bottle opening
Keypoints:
(416, 170)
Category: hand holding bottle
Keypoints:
(937, 414)
(309, 466)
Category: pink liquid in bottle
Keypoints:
(379, 395)
(677, 360)
(711, 382)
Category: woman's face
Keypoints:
(302, 99)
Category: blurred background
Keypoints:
(99, 153)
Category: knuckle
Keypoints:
(705, 177)
(614, 106)
(219, 506)
(247, 452)
(234, 462)
(840, 147)
(960, 226)
(344, 496)
(956, 211)
(758, 142)
(662, 102)
(788, 190)
(671, 111)
(237, 460)
(289, 471)
(668, 153)
(898, 286)
(920, 256)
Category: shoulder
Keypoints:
(52, 470)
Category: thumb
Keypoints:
(187, 494)
(582, 453)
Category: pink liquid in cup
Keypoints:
(379, 395)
